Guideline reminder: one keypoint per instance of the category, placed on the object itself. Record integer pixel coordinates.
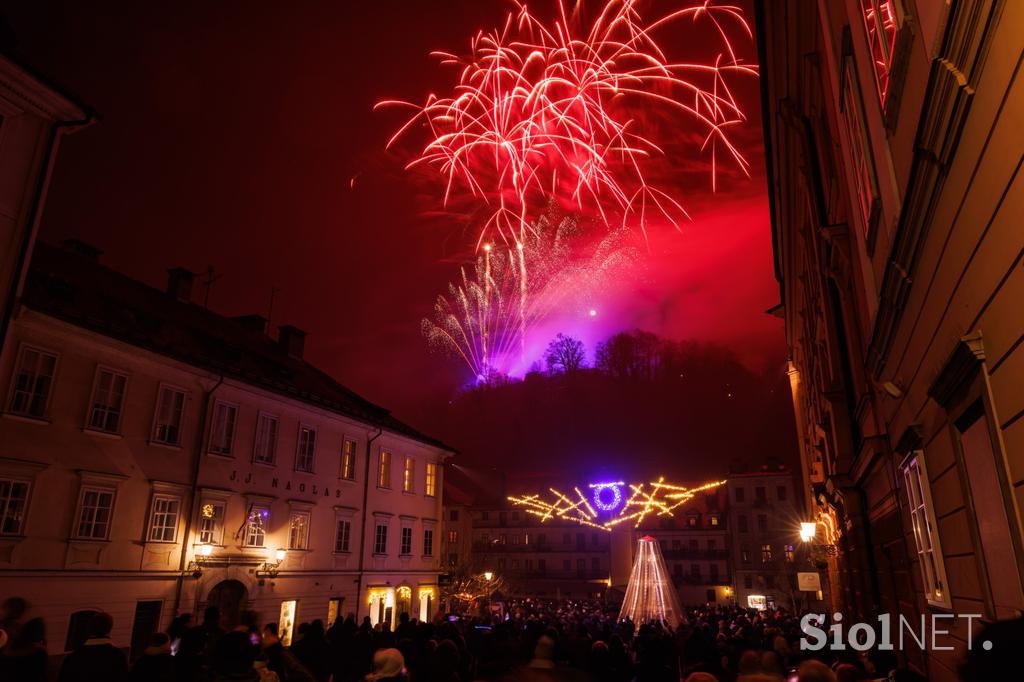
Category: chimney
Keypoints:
(179, 284)
(80, 248)
(254, 323)
(291, 340)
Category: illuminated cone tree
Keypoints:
(650, 595)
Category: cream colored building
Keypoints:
(156, 458)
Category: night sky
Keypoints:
(241, 135)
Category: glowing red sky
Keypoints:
(231, 132)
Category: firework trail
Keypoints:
(542, 110)
(487, 314)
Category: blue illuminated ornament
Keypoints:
(602, 492)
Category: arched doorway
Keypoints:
(403, 601)
(230, 597)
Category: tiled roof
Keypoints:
(77, 289)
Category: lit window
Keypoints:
(170, 407)
(406, 546)
(348, 459)
(789, 553)
(922, 518)
(880, 26)
(766, 553)
(306, 450)
(298, 530)
(33, 379)
(222, 430)
(211, 522)
(107, 400)
(857, 139)
(384, 470)
(95, 509)
(265, 448)
(428, 542)
(713, 520)
(380, 539)
(343, 536)
(164, 524)
(256, 526)
(453, 536)
(432, 480)
(13, 503)
(409, 475)
(745, 555)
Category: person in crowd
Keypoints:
(24, 658)
(97, 658)
(313, 651)
(388, 666)
(156, 663)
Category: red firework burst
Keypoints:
(543, 111)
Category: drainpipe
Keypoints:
(191, 507)
(362, 532)
(34, 215)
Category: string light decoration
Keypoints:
(650, 594)
(600, 501)
(658, 498)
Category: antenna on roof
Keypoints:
(274, 291)
(208, 283)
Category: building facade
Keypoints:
(34, 116)
(894, 148)
(156, 458)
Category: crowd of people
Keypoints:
(533, 640)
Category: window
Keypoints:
(409, 475)
(712, 543)
(528, 564)
(348, 459)
(748, 581)
(453, 537)
(788, 552)
(95, 508)
(453, 514)
(380, 539)
(713, 520)
(453, 559)
(542, 565)
(566, 565)
(677, 570)
(13, 503)
(922, 519)
(343, 536)
(107, 400)
(863, 171)
(766, 554)
(745, 555)
(515, 538)
(515, 564)
(170, 407)
(581, 565)
(33, 378)
(880, 27)
(501, 563)
(163, 525)
(695, 571)
(691, 521)
(211, 522)
(305, 453)
(713, 573)
(741, 494)
(222, 430)
(741, 523)
(780, 493)
(769, 582)
(256, 526)
(298, 530)
(431, 490)
(694, 545)
(428, 542)
(762, 523)
(265, 448)
(595, 564)
(759, 493)
(384, 470)
(676, 544)
(485, 516)
(405, 548)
